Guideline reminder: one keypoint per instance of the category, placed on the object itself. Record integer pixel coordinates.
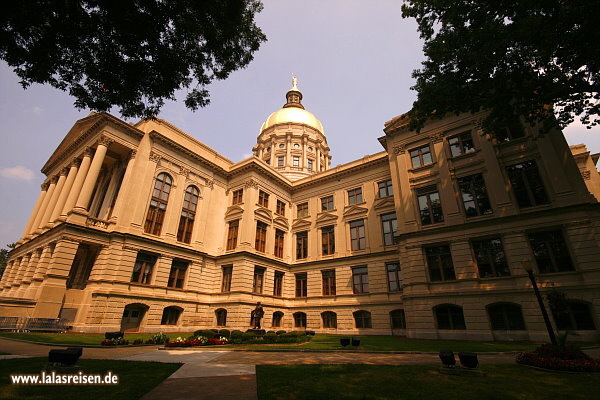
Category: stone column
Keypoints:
(304, 152)
(124, 189)
(42, 210)
(10, 274)
(77, 184)
(64, 193)
(44, 262)
(5, 277)
(36, 209)
(52, 203)
(288, 151)
(92, 176)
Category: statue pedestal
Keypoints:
(257, 332)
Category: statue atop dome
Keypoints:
(294, 82)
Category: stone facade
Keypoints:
(142, 227)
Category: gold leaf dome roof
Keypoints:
(292, 115)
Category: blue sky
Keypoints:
(353, 60)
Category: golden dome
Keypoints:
(292, 115)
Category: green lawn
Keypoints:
(79, 338)
(135, 379)
(374, 382)
(319, 342)
(396, 343)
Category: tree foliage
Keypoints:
(509, 57)
(3, 261)
(129, 54)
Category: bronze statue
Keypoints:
(256, 315)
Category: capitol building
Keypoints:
(141, 227)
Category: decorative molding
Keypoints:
(126, 247)
(154, 157)
(184, 171)
(586, 175)
(53, 180)
(44, 186)
(64, 171)
(209, 183)
(251, 183)
(97, 223)
(437, 137)
(477, 125)
(132, 154)
(299, 224)
(75, 163)
(399, 149)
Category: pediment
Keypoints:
(234, 212)
(386, 202)
(264, 213)
(355, 211)
(326, 217)
(281, 222)
(301, 224)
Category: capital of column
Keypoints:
(44, 186)
(64, 171)
(75, 163)
(88, 152)
(132, 154)
(105, 141)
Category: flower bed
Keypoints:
(568, 359)
(197, 341)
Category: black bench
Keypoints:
(65, 357)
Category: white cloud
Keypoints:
(19, 173)
(38, 110)
(246, 155)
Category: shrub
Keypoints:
(115, 342)
(159, 338)
(236, 334)
(138, 341)
(215, 330)
(248, 336)
(270, 337)
(280, 332)
(207, 333)
(224, 332)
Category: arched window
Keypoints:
(506, 317)
(221, 315)
(188, 215)
(362, 319)
(171, 315)
(576, 316)
(300, 320)
(158, 204)
(398, 320)
(449, 316)
(329, 319)
(277, 317)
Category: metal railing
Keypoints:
(28, 324)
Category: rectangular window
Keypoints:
(268, 160)
(355, 196)
(550, 251)
(439, 263)
(527, 184)
(302, 210)
(420, 157)
(280, 207)
(489, 255)
(261, 236)
(278, 284)
(327, 203)
(357, 234)
(232, 234)
(389, 226)
(263, 198)
(296, 161)
(360, 280)
(142, 269)
(257, 282)
(310, 165)
(385, 189)
(280, 161)
(177, 274)
(393, 277)
(328, 240)
(226, 282)
(430, 207)
(461, 144)
(301, 290)
(328, 282)
(474, 195)
(301, 245)
(279, 235)
(238, 196)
